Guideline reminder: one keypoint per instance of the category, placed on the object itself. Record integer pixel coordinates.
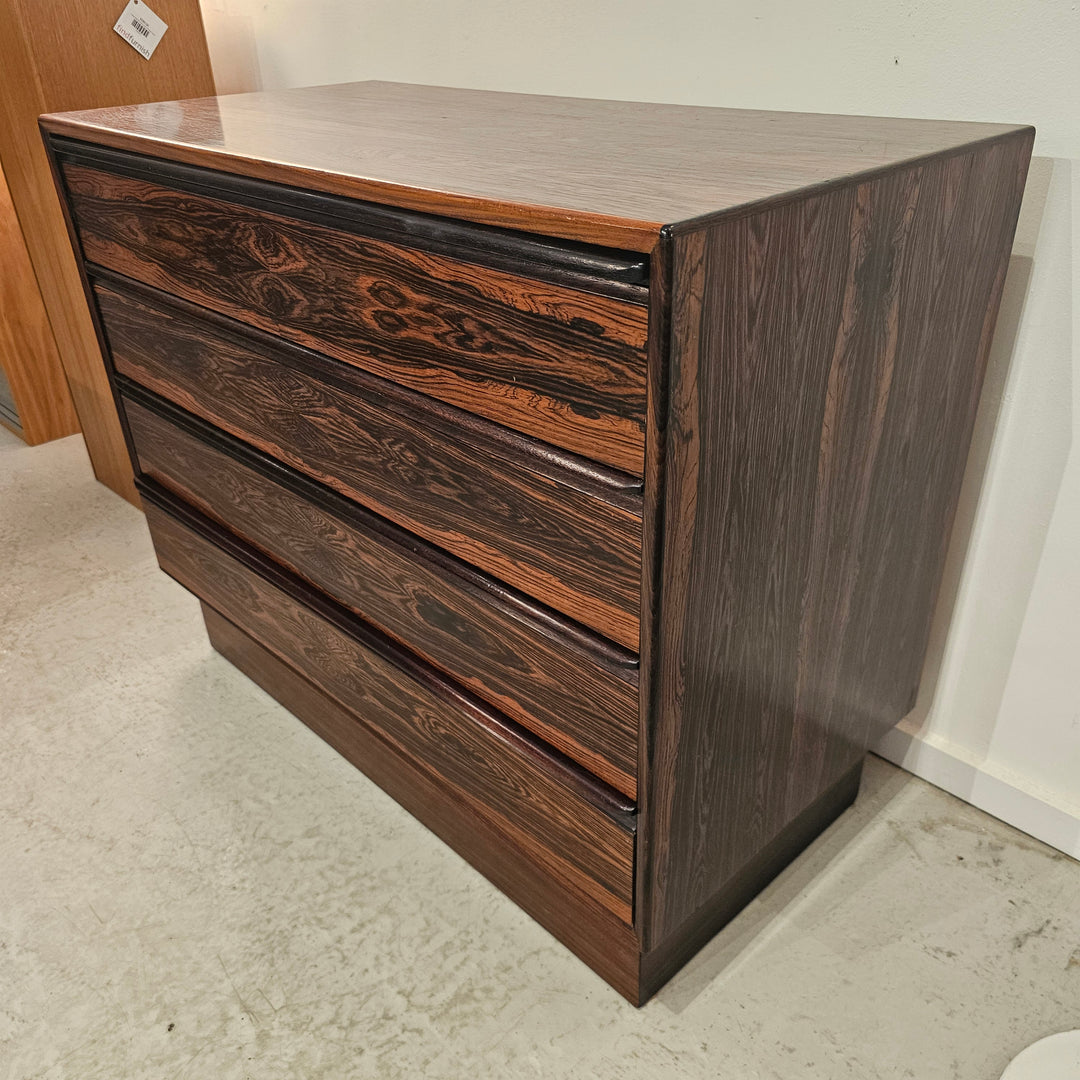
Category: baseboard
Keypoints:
(991, 789)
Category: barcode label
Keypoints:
(140, 28)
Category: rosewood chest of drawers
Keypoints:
(582, 471)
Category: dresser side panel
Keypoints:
(826, 362)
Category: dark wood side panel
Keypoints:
(579, 696)
(664, 958)
(558, 364)
(575, 552)
(604, 942)
(826, 363)
(474, 751)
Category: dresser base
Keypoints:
(593, 934)
(661, 962)
(589, 930)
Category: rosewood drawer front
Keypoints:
(557, 363)
(560, 682)
(581, 830)
(569, 537)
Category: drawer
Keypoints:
(568, 687)
(557, 363)
(581, 831)
(568, 536)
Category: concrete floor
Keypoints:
(193, 885)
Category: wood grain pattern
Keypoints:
(566, 548)
(58, 56)
(652, 548)
(608, 945)
(586, 267)
(475, 752)
(822, 293)
(603, 941)
(572, 693)
(606, 172)
(664, 958)
(826, 363)
(558, 364)
(28, 354)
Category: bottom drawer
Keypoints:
(577, 829)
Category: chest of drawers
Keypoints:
(582, 471)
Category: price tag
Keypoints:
(140, 28)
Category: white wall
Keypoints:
(999, 718)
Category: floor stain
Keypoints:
(1022, 939)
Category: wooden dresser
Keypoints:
(582, 471)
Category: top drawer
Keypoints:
(560, 364)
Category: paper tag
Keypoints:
(140, 28)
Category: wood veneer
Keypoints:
(571, 689)
(826, 359)
(541, 533)
(820, 300)
(576, 828)
(563, 366)
(607, 172)
(602, 940)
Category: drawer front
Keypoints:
(579, 833)
(557, 363)
(575, 693)
(563, 546)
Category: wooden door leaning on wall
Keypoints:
(59, 56)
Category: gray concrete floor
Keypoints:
(193, 885)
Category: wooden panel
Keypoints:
(28, 353)
(586, 267)
(826, 364)
(580, 834)
(556, 542)
(561, 365)
(665, 957)
(57, 56)
(574, 692)
(652, 533)
(604, 942)
(606, 172)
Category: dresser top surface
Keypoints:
(606, 172)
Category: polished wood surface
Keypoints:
(586, 841)
(808, 351)
(590, 930)
(662, 959)
(606, 172)
(577, 693)
(539, 532)
(553, 362)
(587, 267)
(652, 547)
(28, 354)
(819, 418)
(57, 56)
